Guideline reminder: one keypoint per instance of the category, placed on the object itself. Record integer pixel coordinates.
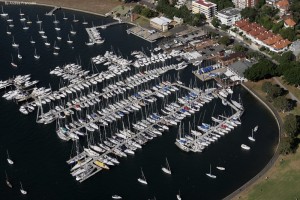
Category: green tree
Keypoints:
(292, 76)
(288, 33)
(239, 48)
(291, 125)
(225, 40)
(250, 13)
(263, 69)
(275, 91)
(215, 22)
(138, 9)
(281, 103)
(266, 87)
(285, 146)
(277, 27)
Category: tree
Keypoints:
(292, 76)
(263, 69)
(288, 33)
(239, 48)
(266, 87)
(286, 57)
(137, 9)
(215, 22)
(275, 91)
(281, 103)
(250, 13)
(285, 146)
(225, 40)
(291, 125)
(277, 27)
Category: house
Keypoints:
(231, 58)
(209, 9)
(244, 3)
(283, 6)
(160, 23)
(289, 23)
(229, 16)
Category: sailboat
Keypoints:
(72, 30)
(84, 22)
(55, 20)
(47, 43)
(210, 174)
(8, 32)
(69, 40)
(167, 169)
(255, 128)
(251, 138)
(116, 196)
(178, 196)
(15, 45)
(32, 41)
(28, 21)
(74, 19)
(41, 32)
(8, 159)
(19, 55)
(22, 190)
(3, 14)
(142, 179)
(21, 14)
(7, 181)
(12, 62)
(220, 168)
(36, 56)
(38, 21)
(55, 46)
(64, 18)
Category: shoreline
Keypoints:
(272, 161)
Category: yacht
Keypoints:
(142, 179)
(210, 174)
(116, 197)
(245, 147)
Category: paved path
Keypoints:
(292, 96)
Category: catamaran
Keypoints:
(251, 137)
(7, 181)
(142, 179)
(245, 147)
(167, 169)
(22, 190)
(210, 174)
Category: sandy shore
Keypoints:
(93, 6)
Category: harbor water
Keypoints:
(40, 156)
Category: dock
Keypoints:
(51, 12)
(144, 33)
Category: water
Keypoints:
(40, 156)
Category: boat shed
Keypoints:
(160, 23)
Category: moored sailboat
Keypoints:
(24, 192)
(7, 181)
(167, 169)
(142, 179)
(210, 174)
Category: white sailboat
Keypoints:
(74, 19)
(55, 20)
(47, 43)
(3, 14)
(8, 159)
(210, 174)
(84, 22)
(36, 56)
(245, 147)
(142, 179)
(64, 18)
(72, 30)
(116, 196)
(251, 138)
(7, 181)
(38, 21)
(220, 168)
(255, 128)
(13, 64)
(8, 32)
(178, 196)
(14, 44)
(22, 190)
(167, 169)
(32, 41)
(69, 41)
(19, 55)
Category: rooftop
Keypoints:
(161, 20)
(206, 3)
(290, 22)
(283, 4)
(230, 11)
(239, 67)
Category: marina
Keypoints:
(125, 108)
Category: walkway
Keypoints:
(292, 96)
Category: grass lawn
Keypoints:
(142, 21)
(283, 181)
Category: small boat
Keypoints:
(210, 174)
(142, 179)
(84, 22)
(220, 168)
(22, 190)
(116, 197)
(245, 147)
(15, 45)
(55, 20)
(251, 138)
(255, 128)
(13, 64)
(19, 55)
(37, 20)
(178, 196)
(69, 41)
(32, 41)
(64, 18)
(72, 30)
(8, 32)
(7, 181)
(8, 159)
(167, 169)
(3, 14)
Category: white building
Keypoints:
(229, 16)
(209, 9)
(160, 23)
(244, 3)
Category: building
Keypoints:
(160, 23)
(207, 8)
(244, 3)
(231, 58)
(289, 23)
(262, 37)
(236, 70)
(283, 6)
(229, 16)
